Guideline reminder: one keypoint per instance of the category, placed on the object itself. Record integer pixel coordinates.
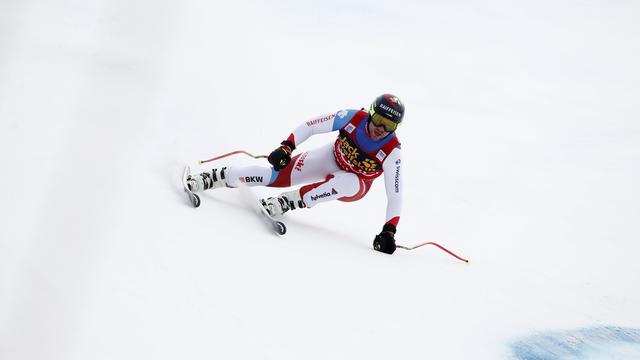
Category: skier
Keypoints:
(366, 147)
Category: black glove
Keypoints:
(385, 241)
(281, 157)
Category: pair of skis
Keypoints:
(277, 226)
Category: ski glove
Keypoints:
(281, 157)
(385, 241)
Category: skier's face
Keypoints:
(376, 132)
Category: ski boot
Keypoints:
(207, 180)
(277, 206)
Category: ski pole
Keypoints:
(232, 153)
(437, 245)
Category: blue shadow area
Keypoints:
(606, 342)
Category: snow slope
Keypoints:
(521, 143)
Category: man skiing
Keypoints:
(366, 147)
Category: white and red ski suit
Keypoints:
(343, 170)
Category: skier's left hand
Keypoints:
(385, 241)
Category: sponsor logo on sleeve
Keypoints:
(381, 155)
(397, 180)
(342, 113)
(320, 120)
(350, 128)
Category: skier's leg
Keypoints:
(309, 166)
(250, 175)
(230, 176)
(312, 166)
(306, 167)
(340, 185)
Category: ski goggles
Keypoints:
(379, 120)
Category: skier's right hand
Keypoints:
(281, 157)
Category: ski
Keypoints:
(250, 198)
(277, 226)
(193, 198)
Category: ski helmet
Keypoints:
(389, 107)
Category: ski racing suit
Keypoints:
(343, 170)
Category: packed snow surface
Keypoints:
(521, 146)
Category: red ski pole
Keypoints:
(232, 153)
(437, 245)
